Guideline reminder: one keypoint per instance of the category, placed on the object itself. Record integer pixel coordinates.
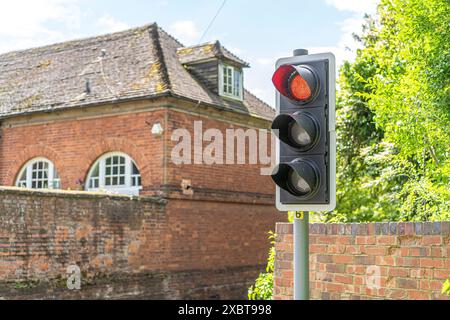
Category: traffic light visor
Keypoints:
(299, 130)
(300, 178)
(299, 88)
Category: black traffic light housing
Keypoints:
(305, 174)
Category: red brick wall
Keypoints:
(242, 179)
(223, 223)
(205, 234)
(74, 146)
(146, 248)
(413, 261)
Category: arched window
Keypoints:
(116, 173)
(39, 173)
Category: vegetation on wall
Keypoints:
(446, 288)
(262, 290)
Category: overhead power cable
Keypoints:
(212, 21)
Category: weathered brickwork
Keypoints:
(235, 234)
(74, 145)
(235, 182)
(73, 142)
(204, 236)
(145, 248)
(212, 238)
(369, 261)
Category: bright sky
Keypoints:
(258, 31)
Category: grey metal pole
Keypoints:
(301, 256)
(301, 243)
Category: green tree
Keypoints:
(394, 117)
(393, 121)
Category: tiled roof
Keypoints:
(133, 64)
(207, 51)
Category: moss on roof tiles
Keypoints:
(138, 63)
(44, 64)
(185, 51)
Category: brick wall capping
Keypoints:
(79, 195)
(379, 228)
(247, 119)
(217, 195)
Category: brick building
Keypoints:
(98, 115)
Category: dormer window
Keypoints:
(230, 82)
(216, 68)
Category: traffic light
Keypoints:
(305, 174)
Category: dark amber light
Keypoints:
(300, 89)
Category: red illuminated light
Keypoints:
(290, 81)
(299, 88)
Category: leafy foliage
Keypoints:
(263, 288)
(394, 117)
(393, 122)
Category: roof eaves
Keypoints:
(166, 93)
(221, 107)
(49, 109)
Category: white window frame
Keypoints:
(223, 68)
(51, 173)
(126, 189)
